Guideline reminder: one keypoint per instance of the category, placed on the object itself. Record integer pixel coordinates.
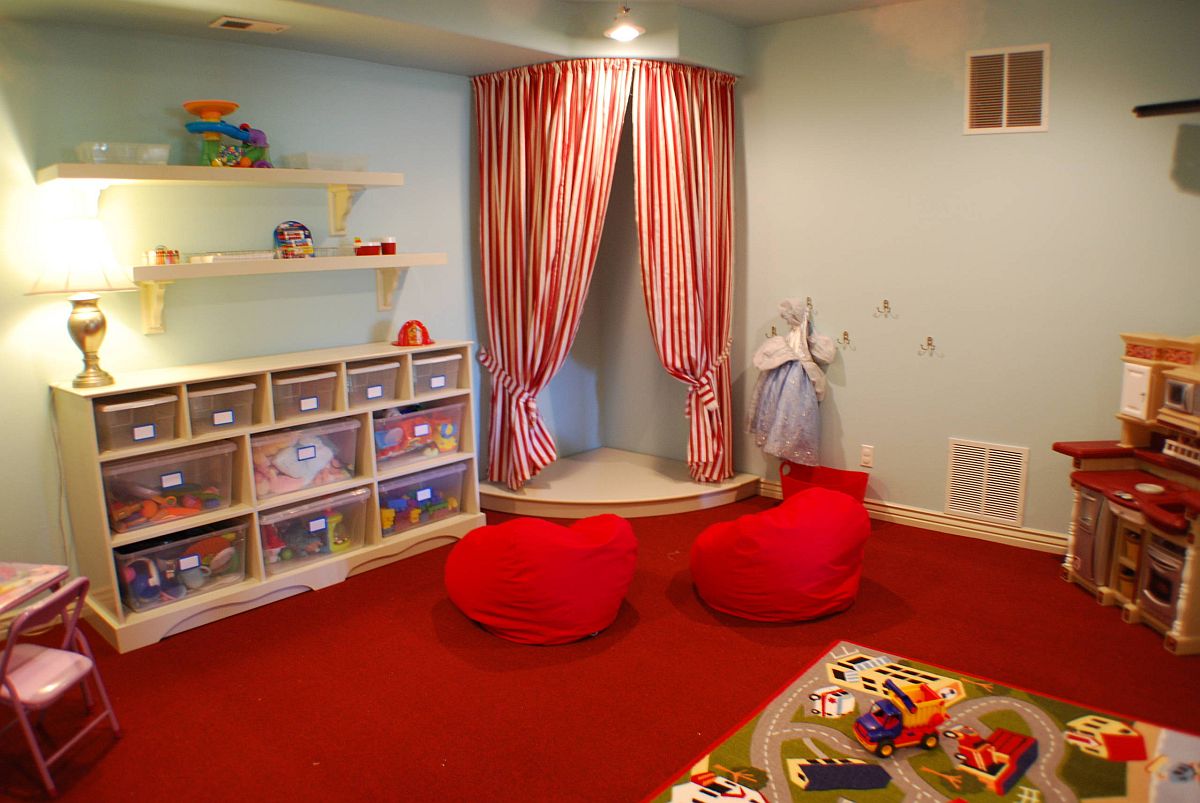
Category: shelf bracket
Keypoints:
(152, 294)
(386, 281)
(341, 199)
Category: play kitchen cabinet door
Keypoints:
(1091, 539)
(1135, 391)
(240, 459)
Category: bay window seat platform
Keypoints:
(608, 480)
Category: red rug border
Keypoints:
(725, 737)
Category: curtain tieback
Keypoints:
(518, 395)
(704, 389)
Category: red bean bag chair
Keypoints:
(799, 560)
(534, 582)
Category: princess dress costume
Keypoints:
(783, 416)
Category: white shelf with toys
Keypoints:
(202, 491)
(343, 186)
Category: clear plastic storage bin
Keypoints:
(433, 374)
(403, 437)
(222, 406)
(168, 486)
(135, 420)
(304, 457)
(366, 384)
(420, 498)
(183, 565)
(298, 393)
(327, 526)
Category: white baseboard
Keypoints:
(1040, 540)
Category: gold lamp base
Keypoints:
(87, 325)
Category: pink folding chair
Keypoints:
(34, 677)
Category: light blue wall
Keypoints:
(61, 86)
(1023, 256)
(612, 391)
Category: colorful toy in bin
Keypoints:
(251, 150)
(429, 431)
(134, 506)
(149, 585)
(415, 505)
(412, 333)
(292, 539)
(293, 240)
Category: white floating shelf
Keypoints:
(201, 174)
(152, 280)
(341, 185)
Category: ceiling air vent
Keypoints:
(986, 481)
(240, 24)
(1007, 90)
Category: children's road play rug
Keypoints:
(862, 726)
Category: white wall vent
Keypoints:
(242, 24)
(986, 481)
(1008, 90)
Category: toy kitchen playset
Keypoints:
(1136, 515)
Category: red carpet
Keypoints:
(379, 687)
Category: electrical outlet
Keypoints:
(866, 455)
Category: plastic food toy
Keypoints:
(131, 506)
(412, 333)
(293, 240)
(251, 150)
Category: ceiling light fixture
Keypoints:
(623, 28)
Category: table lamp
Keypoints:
(84, 266)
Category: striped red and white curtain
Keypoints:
(548, 137)
(683, 125)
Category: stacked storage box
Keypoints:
(302, 533)
(167, 486)
(181, 565)
(420, 498)
(135, 420)
(294, 459)
(298, 393)
(221, 405)
(404, 437)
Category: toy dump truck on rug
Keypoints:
(905, 717)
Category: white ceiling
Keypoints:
(752, 13)
(465, 37)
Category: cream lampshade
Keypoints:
(84, 266)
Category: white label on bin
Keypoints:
(189, 562)
(306, 452)
(374, 391)
(309, 403)
(437, 381)
(316, 525)
(424, 494)
(172, 480)
(222, 418)
(144, 433)
(420, 430)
